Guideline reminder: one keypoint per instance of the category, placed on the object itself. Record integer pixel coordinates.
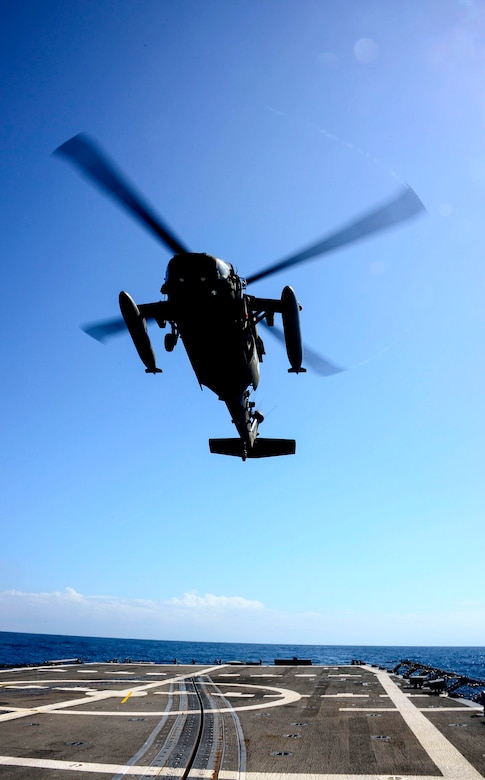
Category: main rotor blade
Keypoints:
(406, 205)
(101, 331)
(94, 164)
(313, 360)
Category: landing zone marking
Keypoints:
(445, 756)
(204, 774)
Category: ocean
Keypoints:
(19, 648)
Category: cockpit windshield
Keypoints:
(223, 269)
(193, 268)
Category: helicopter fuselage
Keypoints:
(210, 313)
(207, 307)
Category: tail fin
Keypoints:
(262, 448)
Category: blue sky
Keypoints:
(254, 129)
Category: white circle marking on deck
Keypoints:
(284, 697)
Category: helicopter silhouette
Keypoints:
(206, 305)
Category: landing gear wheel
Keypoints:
(170, 341)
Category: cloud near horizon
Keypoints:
(71, 612)
(212, 618)
(193, 601)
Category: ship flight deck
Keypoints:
(231, 722)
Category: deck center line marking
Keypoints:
(368, 709)
(344, 695)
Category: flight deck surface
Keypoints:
(232, 721)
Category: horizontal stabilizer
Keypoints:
(262, 448)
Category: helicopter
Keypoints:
(207, 306)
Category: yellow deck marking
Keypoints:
(126, 697)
